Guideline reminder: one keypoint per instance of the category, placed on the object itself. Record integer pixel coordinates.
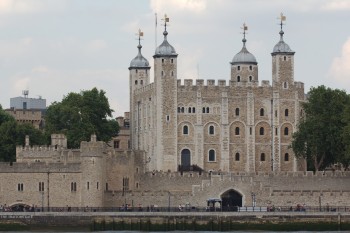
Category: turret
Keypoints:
(282, 62)
(165, 76)
(139, 77)
(244, 67)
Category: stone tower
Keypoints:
(284, 100)
(138, 78)
(165, 79)
(244, 72)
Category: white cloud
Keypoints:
(340, 68)
(30, 6)
(95, 46)
(196, 6)
(336, 5)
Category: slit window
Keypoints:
(237, 131)
(262, 157)
(286, 157)
(237, 111)
(286, 131)
(237, 157)
(261, 112)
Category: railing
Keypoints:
(309, 209)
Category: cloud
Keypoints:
(196, 6)
(30, 6)
(336, 5)
(340, 68)
(95, 46)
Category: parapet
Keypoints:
(299, 85)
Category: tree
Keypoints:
(319, 138)
(13, 134)
(79, 115)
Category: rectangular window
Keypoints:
(20, 187)
(41, 186)
(116, 144)
(88, 185)
(97, 185)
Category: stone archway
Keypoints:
(231, 199)
(185, 158)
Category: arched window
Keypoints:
(237, 157)
(286, 112)
(237, 111)
(250, 78)
(193, 110)
(203, 110)
(262, 157)
(172, 60)
(250, 67)
(211, 156)
(286, 131)
(185, 129)
(189, 110)
(238, 78)
(285, 58)
(237, 131)
(211, 130)
(286, 157)
(182, 109)
(162, 60)
(285, 85)
(178, 109)
(207, 109)
(261, 112)
(135, 82)
(238, 67)
(261, 130)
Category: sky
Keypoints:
(54, 47)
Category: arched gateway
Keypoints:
(231, 198)
(185, 158)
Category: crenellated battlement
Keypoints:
(221, 83)
(143, 89)
(40, 167)
(299, 85)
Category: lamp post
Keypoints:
(253, 199)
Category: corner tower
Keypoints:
(244, 67)
(165, 79)
(138, 77)
(282, 62)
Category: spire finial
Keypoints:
(166, 20)
(244, 28)
(282, 18)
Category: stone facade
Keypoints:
(231, 126)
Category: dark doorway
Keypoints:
(231, 200)
(185, 158)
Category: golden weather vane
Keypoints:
(165, 20)
(139, 34)
(244, 28)
(282, 18)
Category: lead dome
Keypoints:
(139, 61)
(244, 56)
(165, 49)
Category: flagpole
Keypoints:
(155, 31)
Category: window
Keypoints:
(116, 144)
(106, 186)
(276, 113)
(178, 109)
(286, 131)
(193, 110)
(125, 184)
(88, 185)
(237, 131)
(24, 105)
(261, 112)
(172, 60)
(207, 109)
(286, 112)
(141, 82)
(185, 129)
(41, 186)
(182, 109)
(135, 82)
(211, 130)
(238, 67)
(73, 186)
(203, 110)
(211, 155)
(189, 110)
(136, 71)
(250, 78)
(285, 58)
(286, 157)
(162, 60)
(167, 118)
(237, 111)
(238, 78)
(276, 131)
(261, 130)
(20, 187)
(262, 157)
(237, 157)
(285, 85)
(250, 67)
(250, 130)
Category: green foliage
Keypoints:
(12, 134)
(80, 115)
(319, 138)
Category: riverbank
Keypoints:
(168, 221)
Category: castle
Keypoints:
(188, 143)
(242, 126)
